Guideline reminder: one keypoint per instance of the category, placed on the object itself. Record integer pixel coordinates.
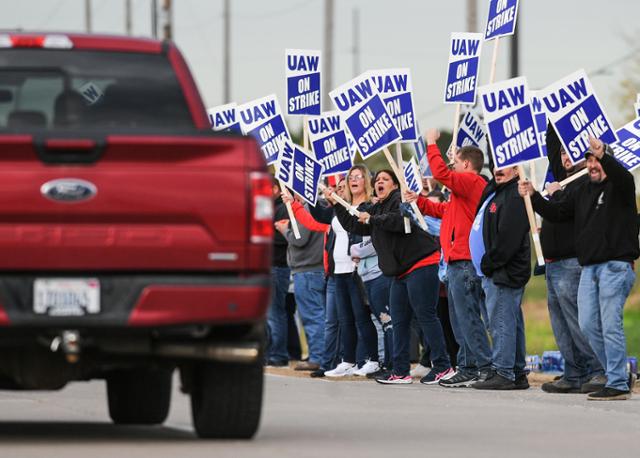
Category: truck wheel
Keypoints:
(226, 400)
(139, 396)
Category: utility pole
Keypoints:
(167, 20)
(87, 15)
(127, 20)
(472, 15)
(515, 55)
(227, 51)
(154, 18)
(356, 42)
(327, 71)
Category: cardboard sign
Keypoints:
(298, 170)
(510, 123)
(502, 18)
(224, 118)
(541, 121)
(421, 155)
(464, 64)
(472, 132)
(627, 149)
(365, 115)
(575, 112)
(394, 86)
(412, 176)
(262, 119)
(329, 142)
(303, 81)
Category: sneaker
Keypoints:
(276, 363)
(342, 370)
(459, 380)
(596, 383)
(395, 380)
(318, 373)
(433, 377)
(380, 373)
(495, 382)
(609, 394)
(419, 371)
(306, 366)
(521, 383)
(368, 368)
(560, 386)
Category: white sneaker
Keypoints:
(419, 371)
(342, 370)
(368, 368)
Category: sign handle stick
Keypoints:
(292, 219)
(407, 221)
(494, 61)
(566, 181)
(429, 185)
(403, 187)
(532, 222)
(456, 127)
(534, 182)
(350, 208)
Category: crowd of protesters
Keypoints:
(360, 278)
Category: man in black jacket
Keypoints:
(500, 251)
(582, 370)
(606, 237)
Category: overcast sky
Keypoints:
(557, 37)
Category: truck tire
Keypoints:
(226, 400)
(139, 396)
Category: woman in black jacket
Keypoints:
(412, 259)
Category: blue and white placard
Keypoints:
(329, 142)
(576, 113)
(412, 176)
(502, 18)
(262, 119)
(224, 118)
(365, 115)
(303, 81)
(420, 148)
(627, 149)
(510, 124)
(541, 121)
(394, 86)
(471, 132)
(464, 64)
(299, 171)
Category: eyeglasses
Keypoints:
(356, 178)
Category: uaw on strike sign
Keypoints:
(262, 119)
(510, 123)
(303, 81)
(627, 149)
(329, 142)
(224, 118)
(502, 18)
(394, 86)
(299, 171)
(464, 63)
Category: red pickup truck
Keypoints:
(133, 240)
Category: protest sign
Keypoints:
(394, 86)
(224, 118)
(541, 121)
(627, 149)
(472, 132)
(574, 110)
(420, 148)
(501, 20)
(262, 119)
(412, 176)
(303, 81)
(365, 115)
(298, 170)
(510, 123)
(464, 64)
(329, 142)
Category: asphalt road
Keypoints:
(318, 418)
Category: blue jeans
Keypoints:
(580, 363)
(277, 315)
(507, 328)
(355, 319)
(378, 291)
(417, 292)
(466, 294)
(309, 289)
(331, 330)
(602, 293)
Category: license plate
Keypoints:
(66, 296)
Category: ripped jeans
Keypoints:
(378, 294)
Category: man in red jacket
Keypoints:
(463, 284)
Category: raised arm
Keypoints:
(306, 219)
(350, 222)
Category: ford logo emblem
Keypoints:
(68, 190)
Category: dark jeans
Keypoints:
(449, 338)
(354, 319)
(277, 315)
(378, 291)
(417, 293)
(331, 328)
(580, 362)
(293, 337)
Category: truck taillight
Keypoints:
(262, 208)
(54, 41)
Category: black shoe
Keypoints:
(522, 382)
(316, 374)
(495, 382)
(560, 386)
(459, 380)
(596, 383)
(276, 363)
(382, 373)
(609, 394)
